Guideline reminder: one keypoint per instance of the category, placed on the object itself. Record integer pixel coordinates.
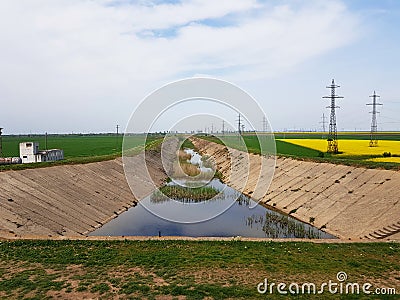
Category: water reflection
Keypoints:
(238, 220)
(276, 225)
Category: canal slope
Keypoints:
(348, 202)
(70, 200)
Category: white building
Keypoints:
(30, 153)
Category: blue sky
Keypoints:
(83, 66)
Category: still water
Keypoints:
(233, 217)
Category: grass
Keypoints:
(285, 148)
(191, 269)
(187, 144)
(78, 149)
(180, 193)
(73, 145)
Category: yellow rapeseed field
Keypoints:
(354, 147)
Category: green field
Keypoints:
(77, 148)
(196, 270)
(90, 148)
(73, 145)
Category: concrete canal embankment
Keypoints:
(73, 200)
(70, 200)
(348, 202)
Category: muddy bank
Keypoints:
(72, 200)
(348, 202)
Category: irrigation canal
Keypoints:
(229, 214)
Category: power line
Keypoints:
(239, 125)
(332, 137)
(116, 138)
(323, 122)
(265, 124)
(374, 125)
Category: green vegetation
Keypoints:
(78, 149)
(191, 269)
(187, 144)
(277, 225)
(185, 194)
(73, 145)
(283, 148)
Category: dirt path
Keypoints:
(348, 202)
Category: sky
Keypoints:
(77, 66)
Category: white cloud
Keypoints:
(75, 58)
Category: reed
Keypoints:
(185, 194)
(183, 156)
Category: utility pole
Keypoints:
(223, 127)
(323, 122)
(374, 125)
(332, 137)
(212, 128)
(116, 138)
(265, 124)
(1, 142)
(45, 141)
(239, 125)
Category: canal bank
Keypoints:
(347, 202)
(71, 201)
(223, 213)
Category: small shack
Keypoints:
(29, 153)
